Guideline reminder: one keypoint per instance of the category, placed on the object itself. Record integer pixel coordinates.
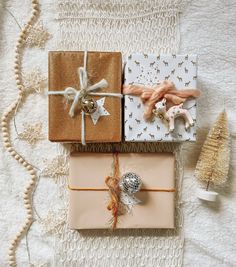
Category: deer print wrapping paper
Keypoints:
(149, 69)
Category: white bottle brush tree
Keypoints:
(213, 163)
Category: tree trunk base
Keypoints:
(207, 195)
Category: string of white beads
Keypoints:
(6, 117)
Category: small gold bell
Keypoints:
(89, 105)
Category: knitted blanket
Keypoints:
(126, 26)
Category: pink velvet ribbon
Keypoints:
(150, 95)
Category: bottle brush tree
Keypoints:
(213, 163)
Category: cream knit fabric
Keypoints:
(123, 25)
(127, 26)
(207, 29)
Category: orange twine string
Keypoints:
(112, 183)
(106, 189)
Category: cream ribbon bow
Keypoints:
(85, 90)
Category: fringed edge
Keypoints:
(128, 147)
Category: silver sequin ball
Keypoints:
(130, 183)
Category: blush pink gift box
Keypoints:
(88, 194)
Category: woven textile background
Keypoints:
(207, 29)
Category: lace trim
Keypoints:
(55, 168)
(37, 36)
(34, 81)
(32, 133)
(54, 222)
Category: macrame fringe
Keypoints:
(131, 147)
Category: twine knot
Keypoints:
(85, 90)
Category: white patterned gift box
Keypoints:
(149, 69)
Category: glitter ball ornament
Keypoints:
(130, 183)
(89, 105)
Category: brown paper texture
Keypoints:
(63, 73)
(87, 209)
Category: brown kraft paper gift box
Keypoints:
(88, 208)
(63, 73)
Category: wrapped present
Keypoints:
(84, 96)
(160, 97)
(124, 190)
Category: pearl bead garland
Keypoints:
(7, 142)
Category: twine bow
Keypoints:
(71, 93)
(112, 183)
(150, 95)
(85, 90)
